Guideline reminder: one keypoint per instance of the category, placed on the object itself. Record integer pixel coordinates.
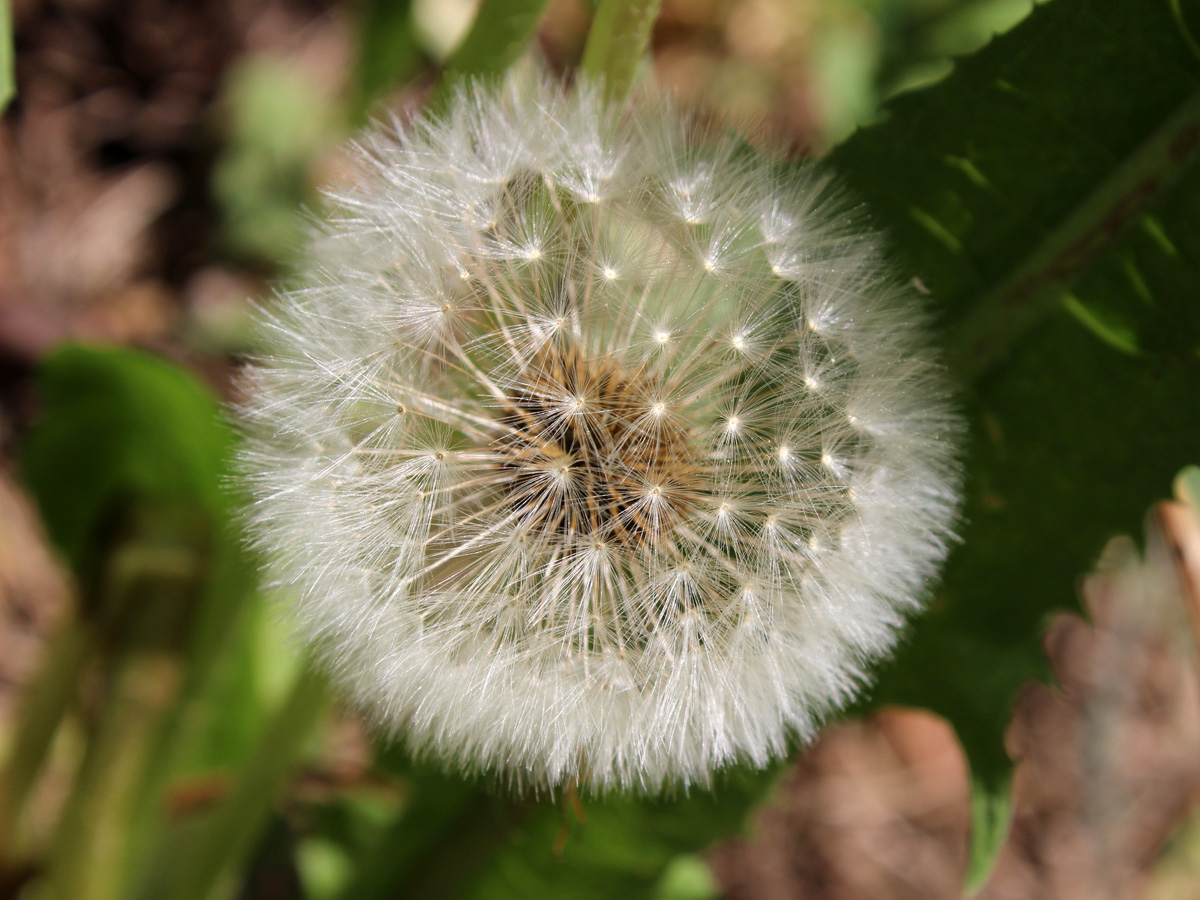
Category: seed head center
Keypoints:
(589, 451)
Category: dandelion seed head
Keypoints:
(589, 449)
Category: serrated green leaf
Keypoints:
(1013, 174)
(1046, 194)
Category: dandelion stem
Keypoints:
(42, 709)
(151, 584)
(991, 819)
(230, 834)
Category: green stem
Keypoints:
(90, 860)
(228, 837)
(220, 613)
(158, 584)
(617, 43)
(991, 820)
(42, 709)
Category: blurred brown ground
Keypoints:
(108, 231)
(1109, 771)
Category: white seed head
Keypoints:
(591, 448)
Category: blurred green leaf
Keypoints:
(127, 460)
(8, 78)
(324, 866)
(117, 424)
(387, 51)
(687, 877)
(278, 120)
(501, 32)
(921, 36)
(844, 62)
(341, 836)
(991, 818)
(617, 41)
(121, 430)
(1046, 195)
(454, 838)
(616, 846)
(426, 832)
(250, 676)
(148, 589)
(1187, 487)
(118, 427)
(212, 862)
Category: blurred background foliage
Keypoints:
(163, 739)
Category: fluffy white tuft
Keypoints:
(593, 449)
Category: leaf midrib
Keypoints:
(1037, 282)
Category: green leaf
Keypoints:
(146, 592)
(1046, 195)
(618, 846)
(120, 431)
(456, 839)
(387, 51)
(1013, 173)
(617, 42)
(445, 826)
(8, 78)
(119, 428)
(277, 122)
(500, 34)
(687, 877)
(117, 424)
(1187, 487)
(126, 461)
(991, 817)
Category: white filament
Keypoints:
(591, 448)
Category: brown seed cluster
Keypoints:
(592, 452)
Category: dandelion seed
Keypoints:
(591, 451)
